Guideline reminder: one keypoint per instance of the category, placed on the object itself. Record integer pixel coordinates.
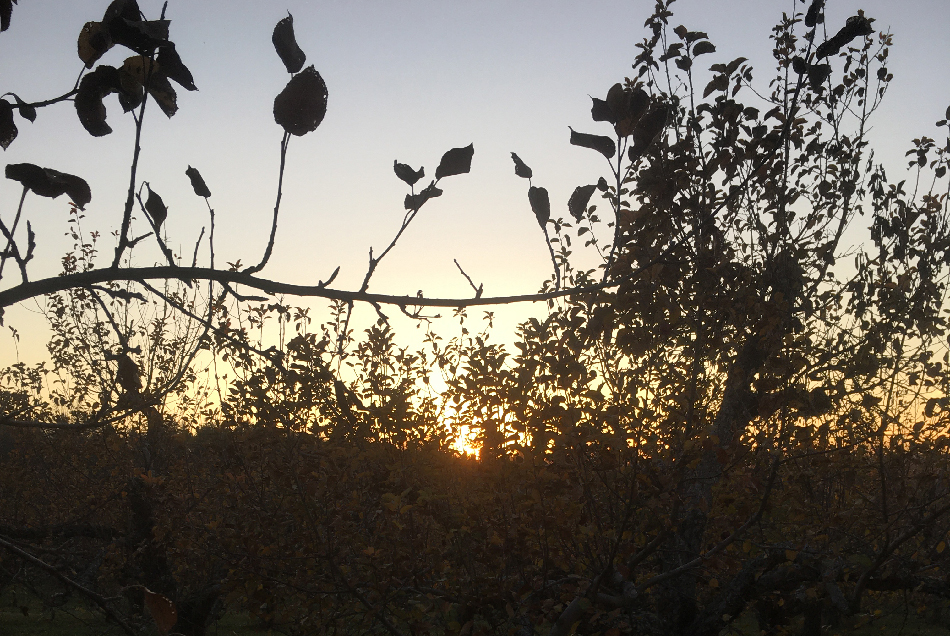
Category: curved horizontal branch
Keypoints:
(36, 288)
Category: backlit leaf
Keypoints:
(521, 169)
(197, 183)
(577, 204)
(455, 161)
(540, 204)
(704, 47)
(407, 174)
(162, 610)
(302, 105)
(286, 45)
(173, 68)
(46, 182)
(155, 207)
(603, 145)
(8, 129)
(94, 41)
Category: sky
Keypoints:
(407, 80)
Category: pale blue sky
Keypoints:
(407, 80)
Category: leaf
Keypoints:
(717, 83)
(173, 68)
(6, 10)
(602, 184)
(521, 169)
(540, 204)
(407, 174)
(799, 65)
(415, 201)
(600, 111)
(93, 88)
(856, 26)
(8, 129)
(302, 105)
(941, 547)
(649, 128)
(197, 183)
(286, 45)
(817, 74)
(627, 106)
(603, 145)
(27, 111)
(156, 208)
(455, 161)
(734, 64)
(577, 204)
(94, 41)
(683, 63)
(703, 47)
(814, 15)
(46, 182)
(160, 607)
(163, 93)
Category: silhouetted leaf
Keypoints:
(521, 169)
(814, 15)
(626, 107)
(197, 183)
(948, 112)
(162, 610)
(683, 63)
(94, 41)
(173, 68)
(704, 47)
(156, 208)
(141, 70)
(577, 204)
(603, 145)
(455, 161)
(302, 105)
(540, 204)
(47, 182)
(650, 126)
(602, 184)
(286, 45)
(6, 10)
(407, 174)
(734, 64)
(93, 88)
(817, 74)
(125, 25)
(600, 111)
(8, 130)
(26, 110)
(717, 83)
(856, 26)
(415, 201)
(799, 65)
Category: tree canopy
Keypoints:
(736, 421)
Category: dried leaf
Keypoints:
(94, 41)
(286, 44)
(302, 105)
(93, 88)
(173, 68)
(160, 607)
(197, 183)
(8, 129)
(601, 144)
(455, 161)
(856, 26)
(163, 93)
(156, 208)
(540, 204)
(577, 204)
(407, 174)
(46, 182)
(521, 169)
